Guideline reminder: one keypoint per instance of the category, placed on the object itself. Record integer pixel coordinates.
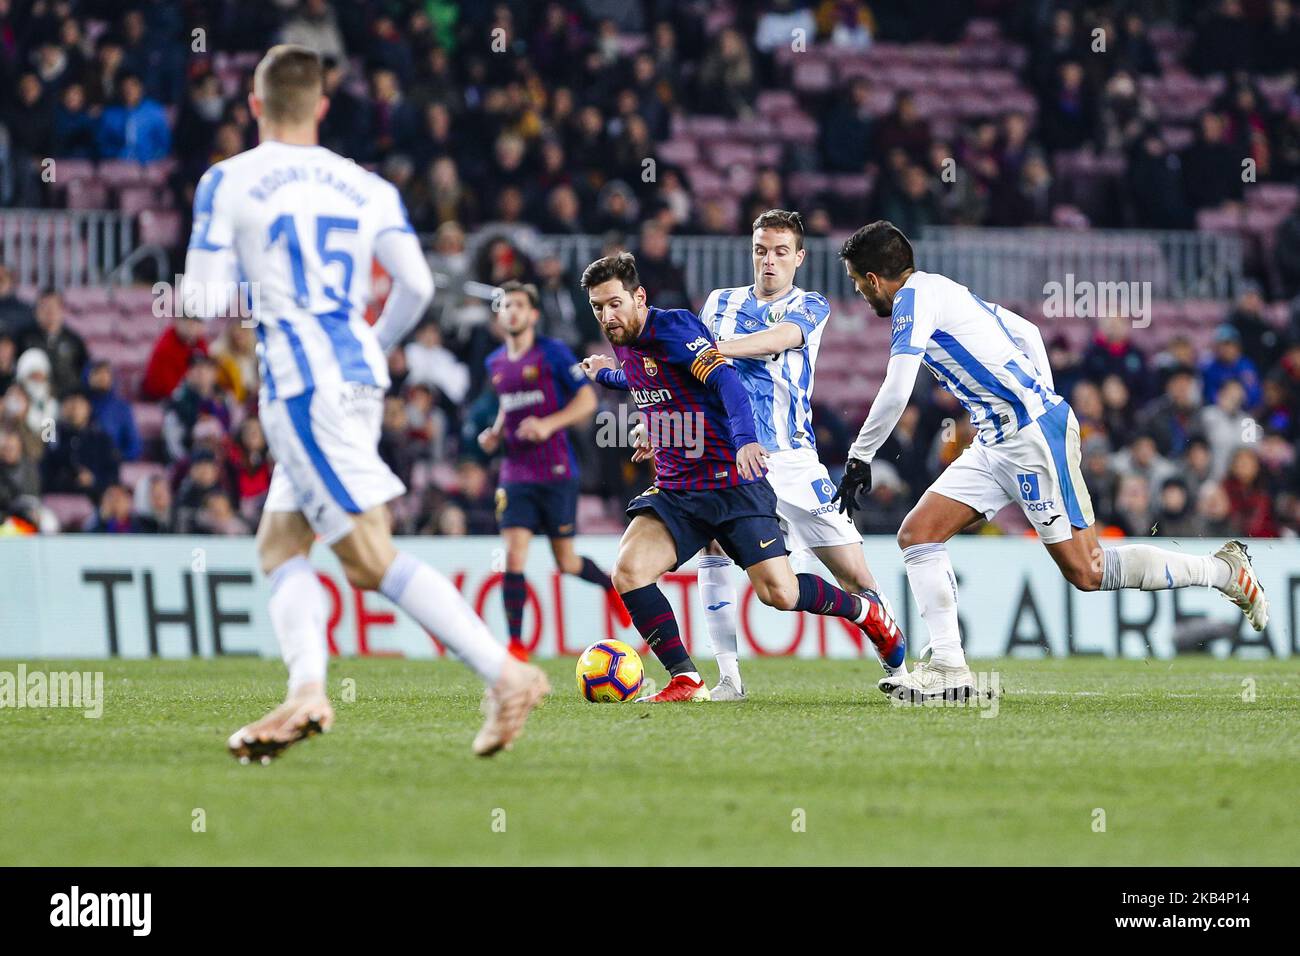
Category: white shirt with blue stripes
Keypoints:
(779, 386)
(991, 359)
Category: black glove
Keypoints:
(856, 480)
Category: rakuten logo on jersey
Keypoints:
(651, 396)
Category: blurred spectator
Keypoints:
(180, 343)
(8, 362)
(1260, 342)
(1175, 517)
(1113, 353)
(137, 129)
(153, 505)
(889, 505)
(727, 81)
(217, 516)
(1224, 423)
(33, 374)
(1214, 512)
(203, 478)
(1172, 418)
(81, 459)
(195, 400)
(431, 363)
(75, 130)
(248, 468)
(235, 352)
(16, 316)
(1227, 363)
(114, 514)
(664, 281)
(64, 348)
(1249, 501)
(110, 412)
(1211, 168)
(19, 474)
(316, 27)
(475, 497)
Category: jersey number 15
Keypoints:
(283, 228)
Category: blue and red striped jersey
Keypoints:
(540, 381)
(695, 405)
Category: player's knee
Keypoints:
(782, 595)
(908, 535)
(1084, 577)
(626, 576)
(365, 573)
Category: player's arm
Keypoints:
(911, 329)
(1030, 341)
(712, 369)
(399, 252)
(571, 388)
(489, 439)
(604, 370)
(790, 333)
(211, 280)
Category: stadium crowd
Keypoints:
(505, 122)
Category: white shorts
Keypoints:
(1038, 467)
(803, 501)
(326, 448)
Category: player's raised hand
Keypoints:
(594, 363)
(750, 460)
(856, 481)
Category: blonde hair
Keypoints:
(288, 82)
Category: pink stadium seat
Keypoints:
(85, 298)
(134, 300)
(136, 199)
(678, 152)
(87, 194)
(161, 227)
(120, 173)
(132, 473)
(812, 76)
(70, 170)
(72, 511)
(148, 419)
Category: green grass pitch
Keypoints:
(816, 768)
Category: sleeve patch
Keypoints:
(706, 362)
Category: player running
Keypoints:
(301, 225)
(542, 392)
(709, 472)
(771, 331)
(1027, 450)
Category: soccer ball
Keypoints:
(609, 672)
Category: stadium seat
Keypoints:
(131, 473)
(71, 511)
(161, 227)
(148, 419)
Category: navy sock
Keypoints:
(655, 622)
(820, 597)
(514, 591)
(591, 572)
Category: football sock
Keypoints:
(514, 592)
(299, 610)
(1154, 569)
(592, 572)
(929, 575)
(718, 596)
(655, 622)
(822, 597)
(440, 609)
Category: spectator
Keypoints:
(1260, 342)
(235, 352)
(248, 469)
(216, 516)
(1132, 513)
(202, 478)
(81, 459)
(1173, 418)
(19, 474)
(8, 362)
(1174, 516)
(431, 363)
(137, 129)
(1211, 168)
(474, 496)
(890, 502)
(1142, 459)
(196, 400)
(114, 515)
(727, 80)
(33, 373)
(177, 347)
(110, 412)
(1227, 363)
(1214, 513)
(316, 27)
(1224, 423)
(74, 129)
(16, 316)
(1249, 501)
(153, 505)
(1113, 353)
(664, 281)
(64, 348)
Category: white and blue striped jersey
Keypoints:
(976, 350)
(300, 225)
(780, 386)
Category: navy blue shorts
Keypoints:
(741, 518)
(549, 508)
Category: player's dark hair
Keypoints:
(879, 247)
(288, 82)
(621, 266)
(781, 219)
(527, 288)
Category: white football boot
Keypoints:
(1243, 588)
(929, 681)
(727, 690)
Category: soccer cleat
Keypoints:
(885, 634)
(291, 722)
(624, 618)
(726, 691)
(517, 650)
(930, 681)
(507, 705)
(680, 688)
(1243, 588)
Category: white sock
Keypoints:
(717, 586)
(438, 607)
(1154, 569)
(299, 611)
(929, 574)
